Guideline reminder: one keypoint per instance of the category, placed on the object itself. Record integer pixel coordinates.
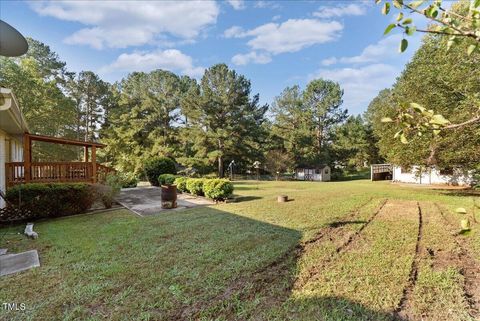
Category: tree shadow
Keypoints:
(213, 264)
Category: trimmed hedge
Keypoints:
(51, 200)
(181, 183)
(166, 179)
(217, 189)
(157, 166)
(195, 186)
(214, 188)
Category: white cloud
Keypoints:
(360, 84)
(275, 18)
(234, 32)
(254, 57)
(237, 4)
(329, 61)
(291, 35)
(170, 59)
(120, 24)
(266, 4)
(339, 11)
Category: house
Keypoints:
(433, 175)
(319, 173)
(16, 165)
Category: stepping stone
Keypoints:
(3, 251)
(13, 263)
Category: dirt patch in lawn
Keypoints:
(469, 267)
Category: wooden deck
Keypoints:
(55, 172)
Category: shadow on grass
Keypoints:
(226, 266)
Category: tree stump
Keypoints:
(282, 198)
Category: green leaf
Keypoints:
(400, 16)
(471, 48)
(403, 45)
(403, 139)
(417, 107)
(398, 4)
(476, 3)
(436, 132)
(386, 8)
(439, 120)
(387, 120)
(407, 21)
(461, 210)
(398, 133)
(416, 4)
(410, 30)
(389, 28)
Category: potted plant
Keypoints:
(169, 190)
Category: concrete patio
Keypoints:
(146, 201)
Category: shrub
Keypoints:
(50, 200)
(217, 189)
(106, 192)
(166, 179)
(181, 183)
(128, 180)
(156, 166)
(195, 186)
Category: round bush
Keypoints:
(181, 183)
(157, 166)
(166, 179)
(195, 186)
(217, 189)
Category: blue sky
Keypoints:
(273, 43)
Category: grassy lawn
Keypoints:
(339, 251)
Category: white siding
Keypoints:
(432, 176)
(3, 155)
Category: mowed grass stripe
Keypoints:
(371, 271)
(438, 293)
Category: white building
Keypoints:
(320, 173)
(12, 128)
(449, 176)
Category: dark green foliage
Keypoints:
(166, 179)
(439, 80)
(181, 183)
(217, 189)
(195, 186)
(157, 166)
(52, 200)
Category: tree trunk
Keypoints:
(220, 166)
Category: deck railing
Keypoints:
(55, 172)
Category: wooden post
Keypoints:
(85, 154)
(27, 158)
(94, 164)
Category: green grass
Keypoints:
(242, 260)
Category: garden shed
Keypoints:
(319, 173)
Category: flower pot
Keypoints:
(169, 196)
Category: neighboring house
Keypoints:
(432, 175)
(16, 165)
(320, 173)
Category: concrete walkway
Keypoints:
(146, 201)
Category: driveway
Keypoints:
(146, 201)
